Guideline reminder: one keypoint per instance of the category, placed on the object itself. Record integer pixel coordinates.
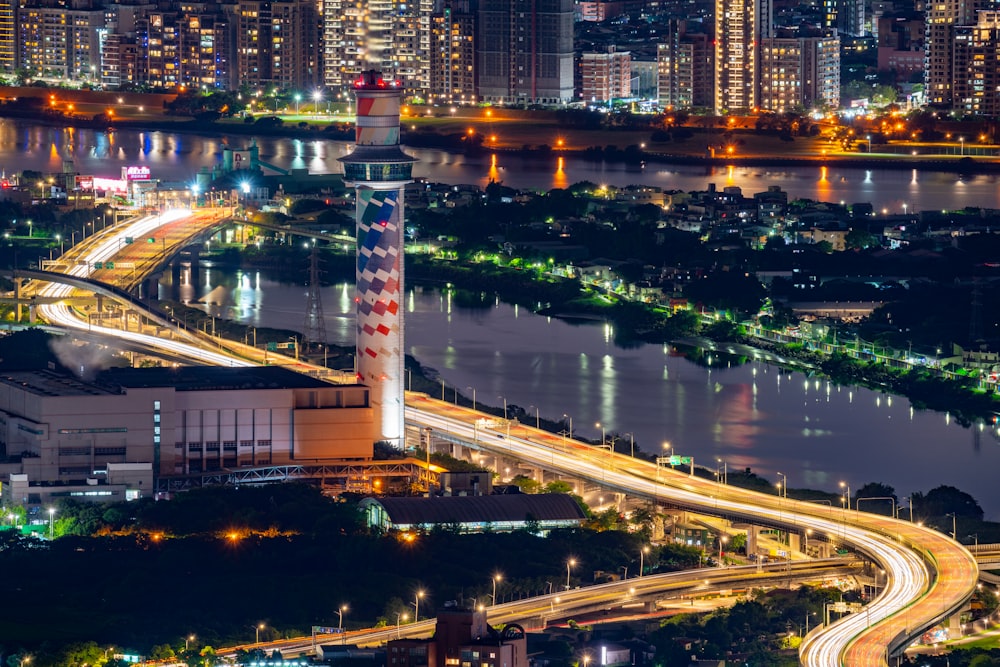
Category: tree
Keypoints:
(860, 239)
(947, 500)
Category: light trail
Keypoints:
(913, 599)
(929, 576)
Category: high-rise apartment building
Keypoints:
(977, 65)
(8, 55)
(277, 43)
(738, 28)
(453, 55)
(799, 72)
(941, 17)
(685, 76)
(605, 76)
(390, 35)
(159, 32)
(59, 42)
(525, 51)
(205, 52)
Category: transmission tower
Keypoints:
(314, 329)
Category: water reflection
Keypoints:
(178, 157)
(750, 414)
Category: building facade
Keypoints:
(977, 66)
(799, 73)
(453, 55)
(738, 31)
(605, 76)
(525, 51)
(109, 439)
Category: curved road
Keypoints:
(929, 577)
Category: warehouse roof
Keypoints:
(507, 508)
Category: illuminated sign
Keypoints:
(135, 173)
(110, 184)
(85, 182)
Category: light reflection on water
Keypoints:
(750, 415)
(176, 157)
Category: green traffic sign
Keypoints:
(128, 240)
(98, 265)
(272, 347)
(151, 240)
(109, 265)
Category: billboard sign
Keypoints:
(135, 173)
(84, 182)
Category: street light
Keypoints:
(845, 485)
(566, 416)
(473, 397)
(869, 138)
(961, 143)
(504, 406)
(257, 628)
(725, 469)
(600, 426)
(52, 514)
(954, 530)
(340, 617)
(298, 98)
(400, 615)
(187, 641)
(62, 244)
(416, 605)
(496, 577)
(631, 442)
(722, 542)
(784, 484)
(317, 98)
(569, 564)
(642, 553)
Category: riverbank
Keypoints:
(475, 131)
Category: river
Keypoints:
(177, 157)
(754, 415)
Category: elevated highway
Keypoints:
(645, 593)
(929, 577)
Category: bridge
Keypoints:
(929, 577)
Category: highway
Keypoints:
(929, 577)
(590, 599)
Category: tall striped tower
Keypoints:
(379, 171)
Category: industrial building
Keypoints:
(109, 439)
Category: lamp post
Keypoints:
(493, 598)
(416, 605)
(298, 98)
(954, 529)
(722, 542)
(642, 554)
(187, 642)
(538, 418)
(62, 243)
(52, 514)
(601, 426)
(725, 469)
(869, 138)
(504, 398)
(569, 564)
(400, 615)
(631, 442)
(784, 484)
(566, 416)
(961, 143)
(845, 485)
(473, 397)
(257, 628)
(317, 98)
(340, 617)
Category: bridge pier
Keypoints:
(18, 283)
